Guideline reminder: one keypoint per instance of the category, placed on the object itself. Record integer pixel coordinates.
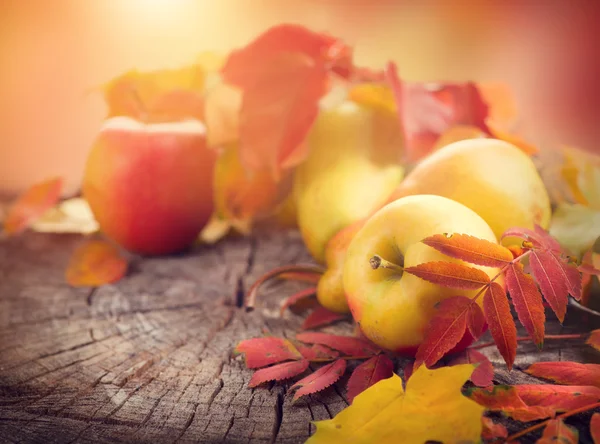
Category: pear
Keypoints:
(352, 169)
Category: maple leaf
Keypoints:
(320, 316)
(500, 322)
(69, 216)
(278, 372)
(278, 111)
(506, 399)
(560, 398)
(475, 321)
(595, 428)
(260, 352)
(451, 275)
(571, 373)
(319, 380)
(527, 301)
(318, 352)
(32, 204)
(347, 345)
(557, 431)
(445, 329)
(95, 263)
(547, 272)
(384, 412)
(368, 373)
(483, 375)
(491, 430)
(594, 339)
(243, 67)
(243, 196)
(300, 301)
(470, 249)
(222, 106)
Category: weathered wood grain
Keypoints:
(150, 358)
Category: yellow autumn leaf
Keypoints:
(374, 95)
(69, 216)
(432, 409)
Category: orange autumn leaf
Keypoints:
(500, 321)
(242, 196)
(95, 263)
(570, 373)
(557, 431)
(278, 111)
(498, 132)
(476, 321)
(450, 275)
(501, 101)
(159, 95)
(222, 106)
(547, 272)
(594, 339)
(470, 249)
(31, 205)
(491, 430)
(260, 352)
(506, 399)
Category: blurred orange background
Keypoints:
(51, 52)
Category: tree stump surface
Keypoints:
(149, 359)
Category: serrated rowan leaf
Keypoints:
(319, 380)
(564, 372)
(572, 278)
(560, 398)
(500, 321)
(539, 237)
(505, 398)
(346, 344)
(448, 274)
(548, 274)
(260, 352)
(368, 373)
(527, 301)
(320, 317)
(444, 331)
(557, 431)
(318, 352)
(470, 249)
(491, 430)
(595, 428)
(594, 339)
(32, 204)
(475, 321)
(278, 372)
(483, 375)
(95, 263)
(278, 111)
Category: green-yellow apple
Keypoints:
(150, 186)
(392, 307)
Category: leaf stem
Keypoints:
(535, 427)
(253, 292)
(526, 338)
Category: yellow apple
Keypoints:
(393, 308)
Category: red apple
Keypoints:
(150, 185)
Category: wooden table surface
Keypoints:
(149, 359)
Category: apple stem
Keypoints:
(253, 292)
(379, 262)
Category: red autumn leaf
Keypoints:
(560, 398)
(475, 321)
(319, 380)
(491, 430)
(408, 370)
(260, 352)
(594, 339)
(470, 249)
(595, 428)
(444, 331)
(95, 263)
(368, 373)
(321, 317)
(505, 398)
(483, 375)
(278, 372)
(539, 237)
(564, 372)
(278, 111)
(346, 344)
(244, 66)
(572, 278)
(500, 321)
(32, 204)
(547, 272)
(589, 269)
(318, 352)
(451, 275)
(304, 299)
(527, 301)
(557, 431)
(426, 111)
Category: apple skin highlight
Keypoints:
(150, 186)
